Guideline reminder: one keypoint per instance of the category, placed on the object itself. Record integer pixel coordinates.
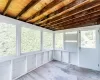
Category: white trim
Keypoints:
(74, 32)
(79, 28)
(70, 41)
(78, 48)
(41, 40)
(54, 41)
(18, 40)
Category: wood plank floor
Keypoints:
(60, 71)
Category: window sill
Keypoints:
(8, 58)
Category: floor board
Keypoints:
(60, 71)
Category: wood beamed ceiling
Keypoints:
(53, 14)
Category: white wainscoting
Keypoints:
(66, 57)
(57, 55)
(5, 69)
(16, 67)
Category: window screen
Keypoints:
(7, 39)
(88, 39)
(47, 40)
(71, 41)
(58, 40)
(30, 40)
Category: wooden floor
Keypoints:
(60, 71)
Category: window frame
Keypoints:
(43, 48)
(31, 27)
(62, 42)
(86, 30)
(13, 22)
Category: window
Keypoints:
(30, 40)
(58, 40)
(71, 41)
(7, 39)
(88, 39)
(47, 40)
(71, 37)
(73, 32)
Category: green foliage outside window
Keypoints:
(30, 40)
(59, 40)
(47, 40)
(7, 39)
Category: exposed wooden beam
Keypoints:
(62, 20)
(82, 18)
(7, 6)
(55, 8)
(82, 23)
(71, 19)
(78, 24)
(33, 2)
(3, 4)
(35, 8)
(16, 6)
(66, 11)
(92, 16)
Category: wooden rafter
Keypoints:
(66, 11)
(55, 8)
(78, 24)
(35, 8)
(65, 20)
(83, 18)
(93, 19)
(3, 4)
(33, 2)
(92, 16)
(16, 6)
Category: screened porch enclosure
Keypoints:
(25, 48)
(49, 39)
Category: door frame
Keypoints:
(97, 42)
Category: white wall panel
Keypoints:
(50, 55)
(39, 59)
(45, 57)
(73, 58)
(5, 69)
(65, 57)
(57, 55)
(89, 60)
(31, 62)
(19, 67)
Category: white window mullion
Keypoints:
(41, 40)
(53, 41)
(18, 40)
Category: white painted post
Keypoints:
(18, 40)
(53, 44)
(11, 72)
(41, 40)
(79, 44)
(26, 68)
(48, 56)
(64, 40)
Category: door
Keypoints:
(88, 51)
